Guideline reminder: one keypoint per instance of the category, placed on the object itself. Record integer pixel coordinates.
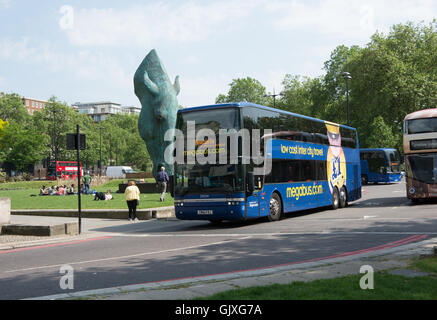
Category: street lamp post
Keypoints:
(274, 95)
(100, 164)
(347, 76)
(54, 136)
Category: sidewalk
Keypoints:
(58, 217)
(12, 241)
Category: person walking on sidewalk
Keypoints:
(132, 195)
(162, 180)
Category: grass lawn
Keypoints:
(386, 287)
(20, 195)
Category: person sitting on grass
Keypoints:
(51, 190)
(43, 191)
(108, 195)
(60, 190)
(70, 190)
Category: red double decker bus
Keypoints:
(66, 170)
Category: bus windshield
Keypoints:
(423, 167)
(394, 160)
(195, 178)
(208, 178)
(422, 125)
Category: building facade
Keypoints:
(99, 111)
(33, 105)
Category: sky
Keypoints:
(87, 51)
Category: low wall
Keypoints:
(139, 175)
(70, 228)
(5, 211)
(142, 214)
(144, 187)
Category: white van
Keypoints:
(118, 171)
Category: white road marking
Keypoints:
(369, 217)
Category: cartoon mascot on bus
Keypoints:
(336, 162)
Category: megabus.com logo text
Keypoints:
(303, 191)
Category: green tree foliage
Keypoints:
(22, 146)
(12, 108)
(247, 89)
(123, 142)
(394, 75)
(379, 131)
(297, 95)
(29, 139)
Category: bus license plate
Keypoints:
(204, 212)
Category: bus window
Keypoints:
(307, 171)
(321, 171)
(377, 162)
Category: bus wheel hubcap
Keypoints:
(274, 207)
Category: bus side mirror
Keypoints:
(250, 182)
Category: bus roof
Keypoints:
(425, 113)
(250, 104)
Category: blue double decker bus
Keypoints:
(307, 163)
(380, 165)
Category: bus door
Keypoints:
(377, 166)
(253, 197)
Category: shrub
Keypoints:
(27, 176)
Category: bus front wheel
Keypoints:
(335, 198)
(275, 207)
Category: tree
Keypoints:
(394, 75)
(12, 108)
(124, 143)
(247, 89)
(22, 146)
(378, 135)
(296, 95)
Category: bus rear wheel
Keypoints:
(275, 207)
(364, 180)
(343, 197)
(335, 199)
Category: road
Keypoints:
(122, 253)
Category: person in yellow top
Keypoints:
(132, 195)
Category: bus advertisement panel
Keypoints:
(305, 163)
(420, 149)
